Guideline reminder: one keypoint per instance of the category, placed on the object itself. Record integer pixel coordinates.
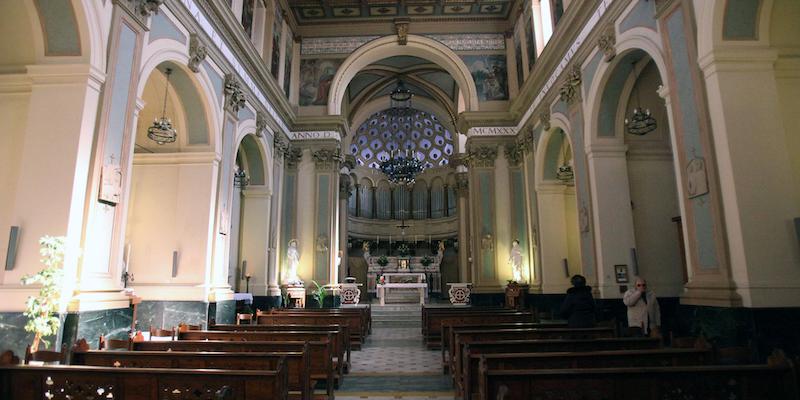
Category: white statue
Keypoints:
(516, 261)
(292, 261)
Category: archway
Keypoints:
(558, 217)
(417, 46)
(169, 227)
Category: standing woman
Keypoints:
(578, 307)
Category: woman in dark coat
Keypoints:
(578, 306)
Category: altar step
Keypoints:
(397, 315)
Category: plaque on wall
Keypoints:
(110, 184)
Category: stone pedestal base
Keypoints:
(515, 295)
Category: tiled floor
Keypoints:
(394, 364)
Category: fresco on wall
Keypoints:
(530, 43)
(287, 68)
(490, 75)
(277, 29)
(518, 52)
(315, 80)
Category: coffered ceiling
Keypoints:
(309, 12)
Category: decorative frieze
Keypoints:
(197, 52)
(261, 123)
(482, 156)
(234, 95)
(570, 89)
(607, 43)
(292, 157)
(315, 135)
(326, 159)
(514, 153)
(348, 44)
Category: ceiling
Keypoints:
(349, 11)
(422, 77)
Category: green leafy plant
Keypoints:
(426, 261)
(319, 294)
(42, 310)
(383, 261)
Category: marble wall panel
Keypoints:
(170, 313)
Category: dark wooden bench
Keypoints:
(546, 345)
(298, 382)
(342, 333)
(771, 381)
(314, 352)
(473, 336)
(435, 321)
(26, 382)
(353, 321)
(448, 328)
(468, 385)
(364, 311)
(336, 352)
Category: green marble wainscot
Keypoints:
(226, 312)
(90, 325)
(168, 314)
(13, 336)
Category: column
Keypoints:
(464, 244)
(276, 235)
(345, 188)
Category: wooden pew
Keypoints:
(364, 311)
(468, 385)
(430, 309)
(343, 337)
(334, 360)
(448, 328)
(436, 320)
(25, 382)
(473, 336)
(296, 370)
(771, 381)
(544, 345)
(353, 321)
(311, 351)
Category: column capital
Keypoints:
(481, 156)
(234, 95)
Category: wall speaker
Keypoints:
(244, 269)
(11, 254)
(175, 263)
(796, 227)
(565, 262)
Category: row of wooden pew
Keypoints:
(285, 356)
(505, 354)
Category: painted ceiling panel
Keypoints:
(361, 81)
(402, 62)
(443, 80)
(310, 12)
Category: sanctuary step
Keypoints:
(397, 315)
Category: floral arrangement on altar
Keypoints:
(382, 261)
(403, 250)
(426, 261)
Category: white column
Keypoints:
(613, 219)
(274, 228)
(306, 215)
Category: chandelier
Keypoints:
(240, 178)
(565, 174)
(641, 122)
(400, 98)
(402, 170)
(162, 131)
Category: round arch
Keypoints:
(710, 15)
(559, 123)
(387, 46)
(201, 83)
(637, 39)
(256, 153)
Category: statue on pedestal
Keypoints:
(365, 249)
(515, 259)
(292, 262)
(440, 253)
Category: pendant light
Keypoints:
(641, 122)
(162, 131)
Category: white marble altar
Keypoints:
(432, 272)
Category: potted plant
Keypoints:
(383, 261)
(426, 261)
(42, 310)
(319, 294)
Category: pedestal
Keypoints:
(297, 296)
(515, 295)
(460, 293)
